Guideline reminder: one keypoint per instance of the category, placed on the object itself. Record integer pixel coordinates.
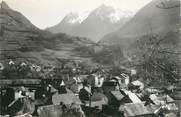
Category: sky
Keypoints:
(46, 13)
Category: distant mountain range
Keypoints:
(20, 39)
(157, 17)
(93, 25)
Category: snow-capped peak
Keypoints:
(83, 16)
(73, 18)
(73, 21)
(103, 12)
(119, 14)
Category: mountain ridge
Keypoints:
(20, 39)
(149, 19)
(100, 21)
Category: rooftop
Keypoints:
(137, 109)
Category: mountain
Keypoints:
(67, 24)
(21, 40)
(157, 17)
(16, 32)
(94, 26)
(19, 19)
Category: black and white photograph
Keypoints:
(90, 58)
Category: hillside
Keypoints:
(21, 40)
(155, 17)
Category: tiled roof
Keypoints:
(161, 99)
(134, 98)
(137, 109)
(98, 96)
(117, 95)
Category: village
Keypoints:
(120, 59)
(71, 90)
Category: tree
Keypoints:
(158, 59)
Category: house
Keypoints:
(109, 86)
(9, 98)
(61, 110)
(126, 78)
(98, 100)
(132, 96)
(29, 93)
(117, 98)
(116, 83)
(123, 81)
(161, 99)
(123, 96)
(137, 84)
(166, 102)
(138, 110)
